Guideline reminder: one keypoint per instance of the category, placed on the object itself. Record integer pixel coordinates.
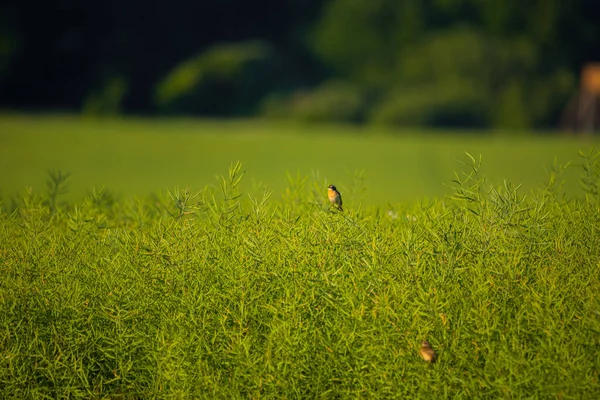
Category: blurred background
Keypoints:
(449, 65)
(464, 63)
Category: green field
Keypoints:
(228, 291)
(141, 156)
(217, 295)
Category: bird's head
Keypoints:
(331, 187)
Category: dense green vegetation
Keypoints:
(219, 293)
(136, 157)
(509, 64)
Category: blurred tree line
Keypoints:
(481, 63)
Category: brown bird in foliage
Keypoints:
(427, 352)
(334, 197)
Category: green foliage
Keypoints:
(361, 40)
(220, 294)
(106, 102)
(332, 101)
(454, 63)
(57, 185)
(449, 103)
(222, 65)
(590, 177)
(508, 64)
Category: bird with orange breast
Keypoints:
(334, 197)
(427, 352)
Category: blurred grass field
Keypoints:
(219, 295)
(138, 156)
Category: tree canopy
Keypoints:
(509, 63)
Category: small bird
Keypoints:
(427, 352)
(334, 197)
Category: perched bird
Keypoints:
(334, 197)
(427, 352)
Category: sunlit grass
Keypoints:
(142, 156)
(221, 293)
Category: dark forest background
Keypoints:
(471, 63)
